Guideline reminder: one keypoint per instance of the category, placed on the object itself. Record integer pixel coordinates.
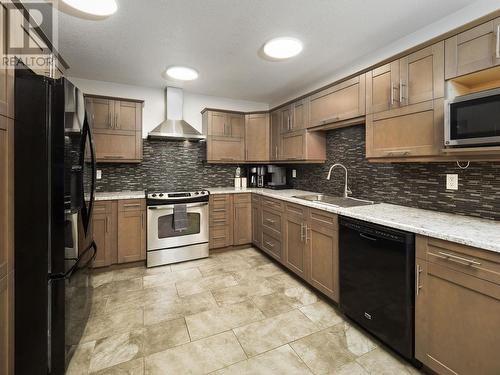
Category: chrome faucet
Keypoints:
(347, 191)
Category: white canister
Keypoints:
(243, 182)
(237, 183)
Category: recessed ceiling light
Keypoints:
(182, 73)
(283, 48)
(94, 7)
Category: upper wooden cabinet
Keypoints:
(303, 145)
(473, 50)
(457, 308)
(225, 136)
(338, 103)
(117, 126)
(405, 114)
(257, 134)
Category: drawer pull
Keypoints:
(417, 279)
(132, 205)
(219, 221)
(398, 153)
(270, 221)
(269, 244)
(457, 259)
(113, 157)
(218, 210)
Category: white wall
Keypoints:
(465, 15)
(154, 101)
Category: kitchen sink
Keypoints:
(334, 201)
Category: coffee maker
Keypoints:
(258, 176)
(277, 179)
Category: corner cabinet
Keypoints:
(405, 110)
(225, 136)
(257, 134)
(457, 308)
(117, 126)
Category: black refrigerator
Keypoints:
(54, 176)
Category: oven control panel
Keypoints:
(177, 197)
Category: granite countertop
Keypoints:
(108, 196)
(480, 233)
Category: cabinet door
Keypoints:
(300, 114)
(457, 320)
(242, 229)
(382, 88)
(114, 147)
(221, 221)
(4, 218)
(226, 149)
(257, 137)
(340, 102)
(236, 125)
(275, 150)
(256, 221)
(473, 50)
(128, 116)
(422, 75)
(293, 145)
(286, 119)
(6, 74)
(322, 246)
(131, 236)
(218, 124)
(101, 230)
(101, 112)
(295, 250)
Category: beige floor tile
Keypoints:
(352, 368)
(178, 307)
(134, 367)
(207, 262)
(274, 304)
(258, 337)
(163, 279)
(117, 287)
(240, 293)
(128, 273)
(198, 357)
(324, 351)
(165, 335)
(283, 280)
(79, 307)
(359, 343)
(322, 313)
(160, 269)
(79, 361)
(105, 325)
(280, 361)
(226, 266)
(381, 362)
(117, 349)
(257, 274)
(221, 319)
(99, 278)
(188, 287)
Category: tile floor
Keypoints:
(236, 312)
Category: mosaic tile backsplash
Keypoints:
(414, 185)
(180, 165)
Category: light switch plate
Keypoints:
(294, 173)
(99, 174)
(452, 181)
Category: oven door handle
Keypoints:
(170, 206)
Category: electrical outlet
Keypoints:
(99, 174)
(294, 173)
(452, 181)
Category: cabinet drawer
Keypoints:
(273, 204)
(323, 218)
(295, 210)
(479, 263)
(272, 221)
(256, 199)
(102, 207)
(242, 198)
(131, 205)
(218, 237)
(271, 245)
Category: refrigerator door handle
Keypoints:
(87, 133)
(76, 267)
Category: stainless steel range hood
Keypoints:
(174, 128)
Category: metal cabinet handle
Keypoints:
(302, 235)
(109, 119)
(116, 120)
(417, 279)
(276, 151)
(498, 42)
(393, 97)
(142, 220)
(458, 259)
(308, 231)
(401, 94)
(270, 221)
(107, 224)
(132, 205)
(398, 153)
(269, 244)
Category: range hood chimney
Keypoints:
(174, 128)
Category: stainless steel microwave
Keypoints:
(473, 119)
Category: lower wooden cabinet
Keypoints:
(294, 238)
(242, 211)
(119, 231)
(256, 220)
(457, 308)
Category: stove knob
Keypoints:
(196, 193)
(161, 195)
(153, 195)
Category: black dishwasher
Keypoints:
(377, 272)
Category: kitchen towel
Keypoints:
(180, 217)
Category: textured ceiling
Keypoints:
(222, 39)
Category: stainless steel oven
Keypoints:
(473, 119)
(166, 244)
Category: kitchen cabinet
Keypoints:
(220, 221)
(225, 136)
(405, 113)
(294, 237)
(131, 230)
(473, 50)
(275, 151)
(303, 145)
(242, 211)
(286, 119)
(340, 102)
(453, 283)
(119, 231)
(272, 224)
(256, 220)
(117, 126)
(257, 134)
(6, 74)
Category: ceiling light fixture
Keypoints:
(283, 48)
(101, 8)
(182, 73)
